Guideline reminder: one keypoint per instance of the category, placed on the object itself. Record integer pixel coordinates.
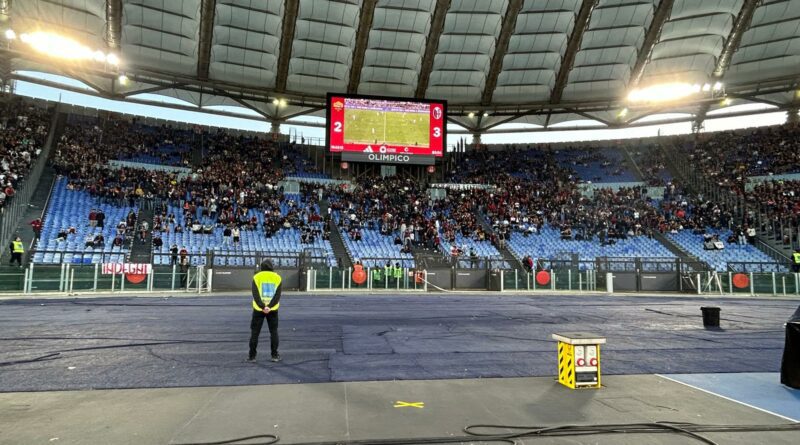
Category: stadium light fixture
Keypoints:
(706, 87)
(275, 101)
(471, 114)
(717, 86)
(485, 114)
(282, 102)
(622, 113)
(664, 92)
(57, 46)
(61, 47)
(725, 102)
(123, 79)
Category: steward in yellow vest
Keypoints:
(796, 260)
(266, 288)
(17, 249)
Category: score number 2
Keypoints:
(337, 127)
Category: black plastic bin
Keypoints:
(710, 316)
(790, 365)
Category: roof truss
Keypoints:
(581, 23)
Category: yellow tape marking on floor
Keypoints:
(401, 404)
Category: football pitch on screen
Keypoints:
(382, 127)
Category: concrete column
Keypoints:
(792, 116)
(276, 127)
(476, 139)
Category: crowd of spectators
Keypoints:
(729, 157)
(780, 202)
(652, 164)
(234, 188)
(23, 131)
(117, 138)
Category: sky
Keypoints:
(317, 135)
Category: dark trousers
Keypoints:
(16, 256)
(255, 330)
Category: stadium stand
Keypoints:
(272, 223)
(779, 202)
(652, 163)
(597, 165)
(129, 140)
(67, 229)
(199, 234)
(730, 157)
(548, 244)
(718, 259)
(23, 130)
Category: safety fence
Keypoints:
(336, 278)
(78, 278)
(68, 279)
(544, 280)
(748, 283)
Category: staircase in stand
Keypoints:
(141, 252)
(685, 257)
(508, 256)
(339, 249)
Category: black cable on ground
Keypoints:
(42, 358)
(271, 439)
(528, 432)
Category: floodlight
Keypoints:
(717, 86)
(663, 92)
(275, 101)
(123, 79)
(10, 34)
(471, 114)
(485, 114)
(282, 102)
(112, 59)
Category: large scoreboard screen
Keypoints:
(389, 130)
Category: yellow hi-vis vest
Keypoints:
(796, 257)
(267, 284)
(18, 248)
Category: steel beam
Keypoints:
(290, 10)
(431, 46)
(741, 24)
(207, 13)
(113, 23)
(362, 39)
(509, 24)
(650, 39)
(581, 24)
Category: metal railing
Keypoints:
(336, 278)
(71, 279)
(546, 280)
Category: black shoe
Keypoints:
(276, 358)
(251, 360)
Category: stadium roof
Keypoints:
(524, 61)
